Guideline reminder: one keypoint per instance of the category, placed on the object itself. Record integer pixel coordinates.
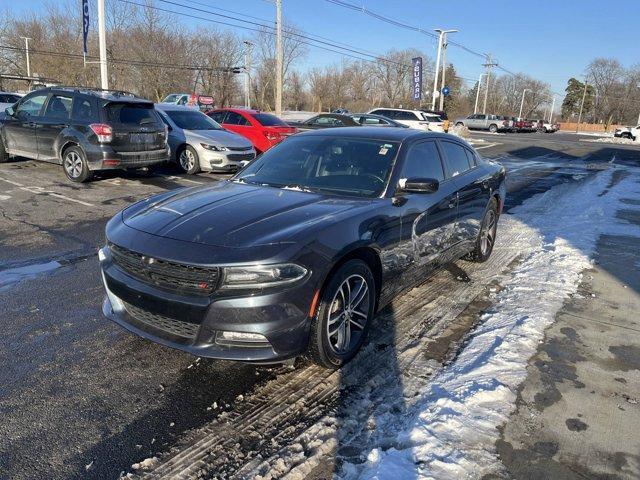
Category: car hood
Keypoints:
(237, 215)
(222, 138)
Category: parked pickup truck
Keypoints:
(523, 125)
(480, 121)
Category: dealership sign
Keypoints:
(417, 78)
(85, 25)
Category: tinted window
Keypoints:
(32, 105)
(473, 161)
(83, 109)
(374, 121)
(58, 106)
(218, 116)
(347, 166)
(8, 98)
(481, 117)
(234, 118)
(456, 158)
(268, 120)
(192, 120)
(131, 113)
(423, 161)
(326, 121)
(400, 115)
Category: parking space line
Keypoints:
(11, 182)
(42, 191)
(487, 146)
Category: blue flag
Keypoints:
(85, 25)
(417, 78)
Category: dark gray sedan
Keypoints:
(297, 252)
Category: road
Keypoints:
(81, 398)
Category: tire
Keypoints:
(493, 128)
(188, 160)
(4, 156)
(487, 235)
(74, 165)
(327, 338)
(625, 135)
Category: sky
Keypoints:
(551, 41)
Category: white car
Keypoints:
(7, 99)
(635, 133)
(412, 118)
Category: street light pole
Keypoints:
(584, 95)
(444, 67)
(102, 38)
(475, 109)
(553, 105)
(522, 102)
(247, 70)
(26, 43)
(442, 33)
(279, 57)
(489, 65)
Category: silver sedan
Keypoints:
(199, 143)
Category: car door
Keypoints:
(56, 117)
(19, 128)
(473, 188)
(428, 219)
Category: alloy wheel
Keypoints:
(488, 232)
(187, 160)
(348, 314)
(73, 164)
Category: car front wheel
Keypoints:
(343, 315)
(188, 160)
(74, 164)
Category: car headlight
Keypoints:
(262, 276)
(214, 148)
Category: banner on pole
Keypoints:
(85, 25)
(417, 78)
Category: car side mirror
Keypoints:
(10, 111)
(418, 185)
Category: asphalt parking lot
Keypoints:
(81, 398)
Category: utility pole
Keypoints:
(247, 70)
(444, 66)
(584, 95)
(279, 57)
(102, 37)
(475, 108)
(553, 105)
(522, 101)
(435, 80)
(489, 65)
(26, 43)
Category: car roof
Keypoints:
(390, 134)
(174, 107)
(395, 109)
(109, 95)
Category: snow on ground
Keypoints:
(617, 140)
(589, 134)
(448, 426)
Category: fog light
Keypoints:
(240, 337)
(110, 163)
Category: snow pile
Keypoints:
(618, 140)
(459, 131)
(452, 429)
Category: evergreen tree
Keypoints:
(573, 98)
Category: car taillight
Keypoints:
(505, 123)
(103, 131)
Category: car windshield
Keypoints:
(344, 166)
(173, 98)
(192, 120)
(268, 120)
(431, 118)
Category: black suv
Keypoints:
(84, 130)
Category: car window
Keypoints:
(481, 117)
(58, 106)
(374, 121)
(234, 118)
(327, 121)
(189, 119)
(32, 105)
(423, 161)
(402, 115)
(455, 158)
(126, 113)
(83, 110)
(473, 160)
(218, 115)
(269, 120)
(347, 166)
(431, 118)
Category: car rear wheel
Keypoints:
(343, 315)
(74, 164)
(188, 160)
(487, 235)
(493, 128)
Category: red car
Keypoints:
(264, 130)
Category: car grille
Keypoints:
(169, 275)
(240, 157)
(166, 324)
(239, 149)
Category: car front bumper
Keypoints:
(226, 161)
(280, 316)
